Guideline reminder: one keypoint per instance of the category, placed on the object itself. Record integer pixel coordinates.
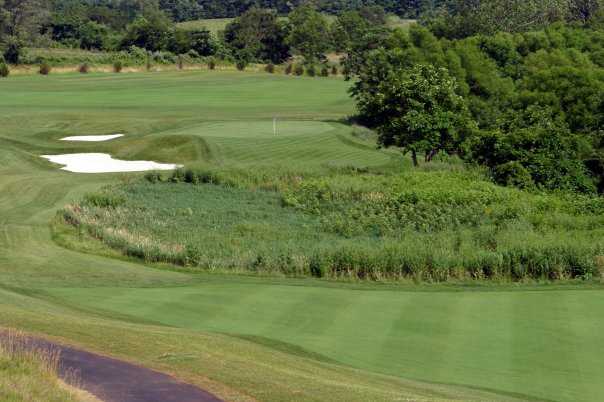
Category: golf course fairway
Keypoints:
(246, 337)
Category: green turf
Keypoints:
(268, 339)
(529, 343)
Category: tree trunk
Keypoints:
(431, 155)
(414, 157)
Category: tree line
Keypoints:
(528, 104)
(258, 35)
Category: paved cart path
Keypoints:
(113, 380)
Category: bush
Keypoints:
(299, 70)
(211, 63)
(180, 62)
(241, 65)
(4, 71)
(289, 69)
(83, 68)
(117, 66)
(311, 71)
(334, 70)
(13, 51)
(270, 68)
(324, 71)
(513, 174)
(103, 200)
(153, 177)
(45, 69)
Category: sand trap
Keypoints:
(104, 163)
(92, 138)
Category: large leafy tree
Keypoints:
(417, 110)
(22, 18)
(20, 21)
(257, 35)
(152, 32)
(309, 33)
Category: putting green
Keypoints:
(256, 129)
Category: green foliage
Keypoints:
(465, 18)
(417, 110)
(92, 35)
(536, 98)
(45, 69)
(103, 200)
(289, 69)
(211, 64)
(427, 226)
(309, 33)
(311, 71)
(199, 41)
(299, 69)
(4, 70)
(117, 66)
(257, 35)
(324, 71)
(270, 68)
(241, 64)
(535, 150)
(13, 50)
(151, 33)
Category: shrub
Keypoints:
(117, 66)
(289, 69)
(180, 62)
(153, 177)
(212, 64)
(45, 69)
(83, 68)
(103, 200)
(241, 65)
(324, 71)
(13, 51)
(299, 70)
(311, 71)
(178, 176)
(193, 54)
(4, 71)
(513, 174)
(270, 68)
(334, 70)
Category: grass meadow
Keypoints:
(270, 337)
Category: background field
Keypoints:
(215, 25)
(263, 338)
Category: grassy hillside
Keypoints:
(262, 338)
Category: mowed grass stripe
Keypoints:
(480, 339)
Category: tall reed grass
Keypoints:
(349, 223)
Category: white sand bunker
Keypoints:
(104, 163)
(92, 138)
